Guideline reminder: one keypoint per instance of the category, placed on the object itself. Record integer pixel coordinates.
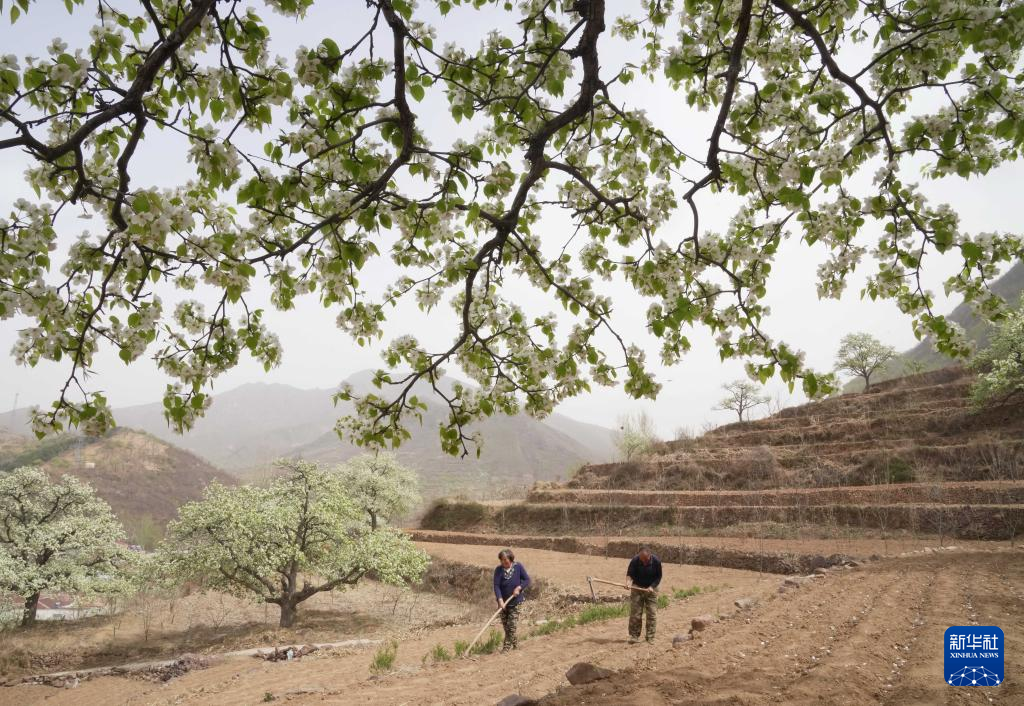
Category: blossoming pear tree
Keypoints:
(57, 536)
(282, 544)
(1000, 366)
(461, 162)
(381, 486)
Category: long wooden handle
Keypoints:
(488, 624)
(622, 585)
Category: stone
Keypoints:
(795, 581)
(821, 571)
(818, 561)
(516, 700)
(679, 640)
(745, 603)
(701, 622)
(853, 564)
(585, 672)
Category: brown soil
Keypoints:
(212, 623)
(867, 635)
(871, 636)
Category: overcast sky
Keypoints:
(317, 354)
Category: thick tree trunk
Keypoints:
(289, 610)
(28, 615)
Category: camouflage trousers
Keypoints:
(509, 621)
(641, 602)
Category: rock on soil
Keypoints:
(180, 666)
(584, 673)
(745, 603)
(680, 640)
(701, 622)
(516, 700)
(282, 654)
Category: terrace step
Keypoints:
(967, 493)
(993, 521)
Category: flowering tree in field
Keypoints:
(452, 160)
(1000, 367)
(743, 396)
(56, 536)
(381, 486)
(303, 534)
(862, 354)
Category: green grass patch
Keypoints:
(603, 611)
(681, 593)
(663, 601)
(488, 646)
(440, 653)
(384, 659)
(460, 648)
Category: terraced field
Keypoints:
(910, 459)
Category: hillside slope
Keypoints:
(1010, 287)
(251, 426)
(144, 479)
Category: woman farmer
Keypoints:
(510, 580)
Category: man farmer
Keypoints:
(644, 575)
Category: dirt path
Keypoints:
(869, 635)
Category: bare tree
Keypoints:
(743, 396)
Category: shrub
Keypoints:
(663, 601)
(384, 659)
(460, 647)
(898, 470)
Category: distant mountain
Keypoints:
(143, 478)
(247, 428)
(1009, 287)
(516, 451)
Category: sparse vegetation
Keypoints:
(384, 658)
(44, 450)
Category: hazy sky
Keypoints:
(317, 354)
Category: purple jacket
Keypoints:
(503, 587)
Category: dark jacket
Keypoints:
(645, 575)
(504, 587)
